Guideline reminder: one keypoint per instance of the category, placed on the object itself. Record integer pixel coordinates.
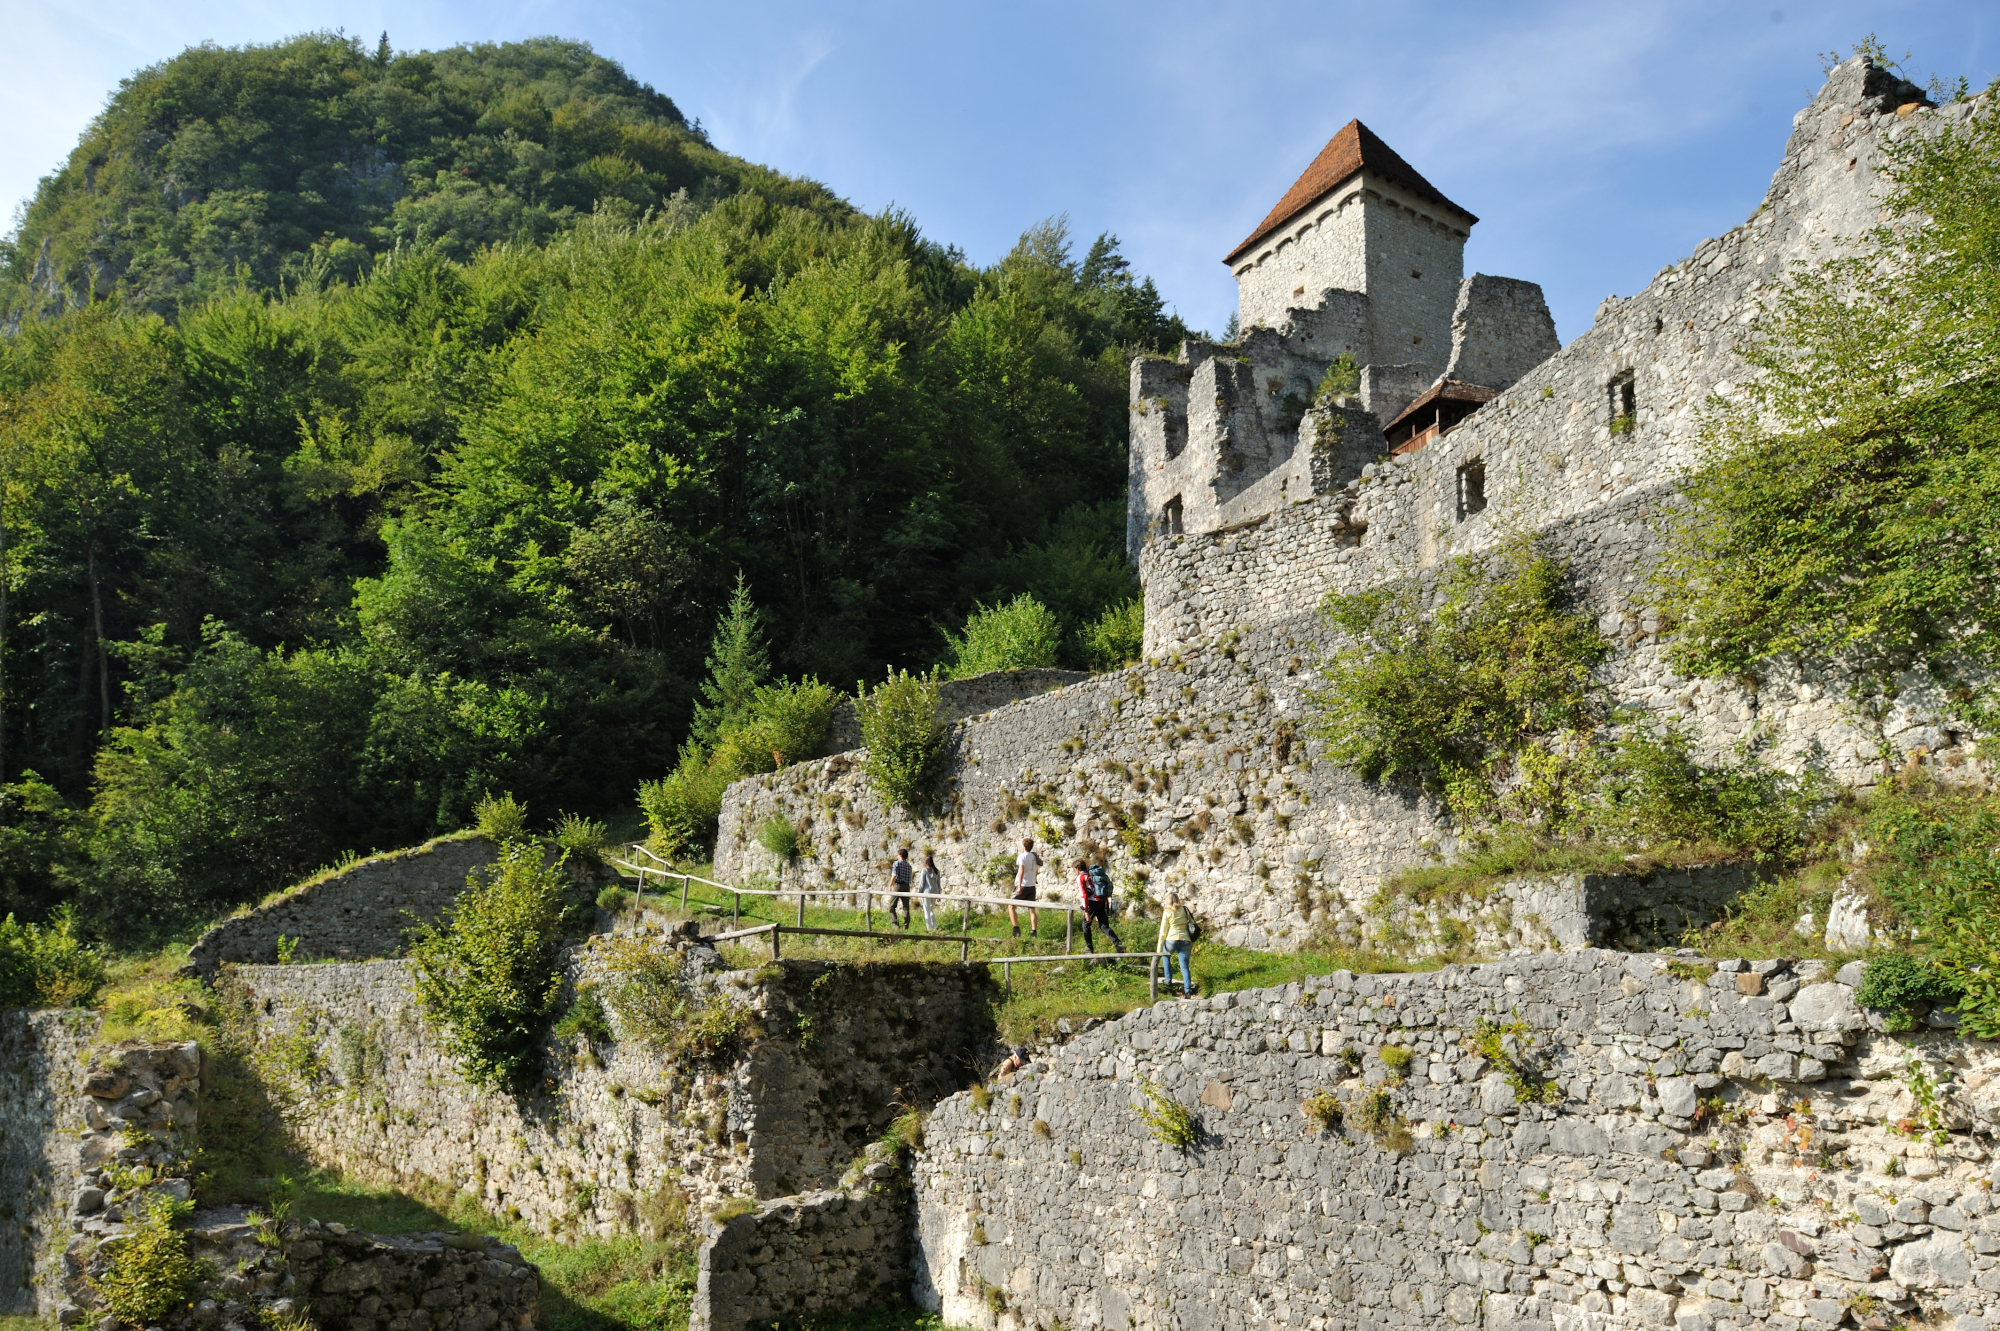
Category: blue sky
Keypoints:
(1597, 141)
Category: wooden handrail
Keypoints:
(964, 942)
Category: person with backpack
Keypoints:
(1093, 884)
(1176, 942)
(929, 884)
(1026, 866)
(900, 874)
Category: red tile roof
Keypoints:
(1445, 390)
(1354, 150)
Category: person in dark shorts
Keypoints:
(1026, 866)
(901, 873)
(1093, 885)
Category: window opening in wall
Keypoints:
(1471, 488)
(1170, 517)
(1624, 398)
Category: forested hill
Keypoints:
(306, 558)
(304, 158)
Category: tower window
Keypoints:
(1170, 517)
(1471, 488)
(1623, 395)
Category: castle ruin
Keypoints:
(1362, 258)
(1254, 495)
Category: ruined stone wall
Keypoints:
(334, 1276)
(363, 911)
(831, 1056)
(833, 1250)
(1192, 774)
(43, 1060)
(1584, 1142)
(1562, 912)
(1500, 329)
(957, 699)
(1211, 427)
(1556, 462)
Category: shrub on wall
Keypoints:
(1342, 378)
(1845, 495)
(659, 1004)
(46, 965)
(1488, 698)
(781, 723)
(486, 975)
(905, 735)
(1449, 698)
(1117, 637)
(1020, 635)
(149, 1276)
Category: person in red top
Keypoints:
(1093, 886)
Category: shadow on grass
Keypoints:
(625, 1283)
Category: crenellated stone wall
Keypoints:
(1580, 1142)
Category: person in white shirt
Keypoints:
(1026, 865)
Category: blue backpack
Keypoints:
(1100, 882)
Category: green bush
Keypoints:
(1935, 861)
(486, 977)
(501, 817)
(905, 736)
(1449, 699)
(780, 723)
(47, 965)
(1020, 635)
(1650, 790)
(786, 724)
(149, 1276)
(1903, 988)
(1117, 637)
(1167, 1119)
(586, 1017)
(1342, 378)
(661, 1007)
(682, 808)
(581, 839)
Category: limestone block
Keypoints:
(1826, 1007)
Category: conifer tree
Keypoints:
(737, 664)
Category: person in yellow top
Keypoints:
(1176, 941)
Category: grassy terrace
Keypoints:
(1042, 993)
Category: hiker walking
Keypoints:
(900, 874)
(1176, 942)
(1093, 885)
(1026, 866)
(929, 883)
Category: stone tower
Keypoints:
(1360, 219)
(1364, 258)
